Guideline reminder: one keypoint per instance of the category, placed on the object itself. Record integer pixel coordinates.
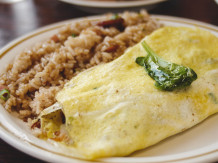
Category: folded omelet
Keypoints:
(114, 109)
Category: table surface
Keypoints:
(20, 18)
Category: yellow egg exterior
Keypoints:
(114, 109)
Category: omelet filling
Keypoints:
(114, 109)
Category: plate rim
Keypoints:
(109, 4)
(14, 140)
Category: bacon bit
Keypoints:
(57, 133)
(55, 38)
(36, 124)
(112, 48)
(117, 23)
(25, 119)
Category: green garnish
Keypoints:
(168, 76)
(73, 35)
(4, 94)
(115, 16)
(213, 97)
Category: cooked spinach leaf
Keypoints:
(168, 76)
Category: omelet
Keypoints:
(114, 109)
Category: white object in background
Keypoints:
(10, 1)
(97, 6)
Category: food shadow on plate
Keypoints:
(191, 139)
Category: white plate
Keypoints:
(198, 144)
(98, 6)
(112, 4)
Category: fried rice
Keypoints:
(37, 74)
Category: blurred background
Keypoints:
(19, 17)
